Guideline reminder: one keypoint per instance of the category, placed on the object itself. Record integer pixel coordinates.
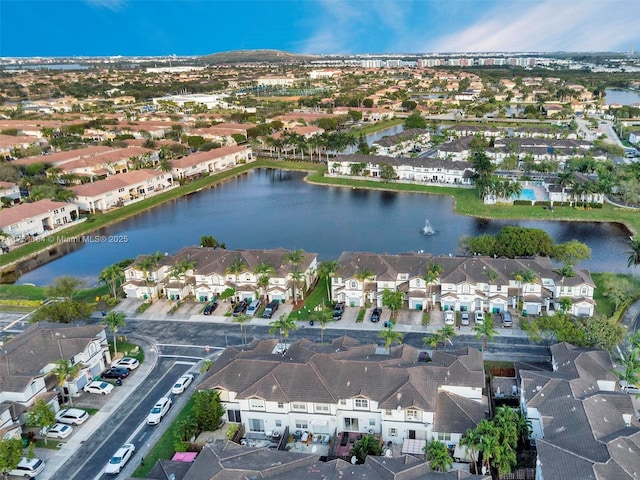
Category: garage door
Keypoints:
(354, 301)
(584, 311)
(532, 308)
(499, 307)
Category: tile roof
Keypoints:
(114, 182)
(24, 211)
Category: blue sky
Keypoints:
(198, 27)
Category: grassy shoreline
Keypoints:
(465, 201)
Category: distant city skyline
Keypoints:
(31, 28)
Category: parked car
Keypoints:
(240, 307)
(449, 318)
(72, 416)
(632, 389)
(209, 309)
(507, 320)
(102, 388)
(270, 309)
(129, 363)
(28, 468)
(115, 372)
(338, 310)
(252, 309)
(120, 459)
(464, 318)
(478, 317)
(376, 314)
(182, 384)
(58, 430)
(159, 410)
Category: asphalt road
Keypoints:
(128, 425)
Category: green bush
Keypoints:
(143, 308)
(360, 318)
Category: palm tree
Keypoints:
(264, 272)
(242, 319)
(524, 277)
(114, 320)
(236, 267)
(65, 371)
(471, 440)
(390, 336)
(294, 257)
(634, 252)
(492, 276)
(179, 271)
(283, 325)
(322, 316)
(296, 278)
(432, 274)
(113, 276)
(438, 455)
(630, 364)
(432, 340)
(367, 445)
(364, 276)
(328, 270)
(566, 271)
(148, 264)
(447, 332)
(485, 331)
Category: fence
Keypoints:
(520, 474)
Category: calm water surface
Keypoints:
(623, 97)
(273, 208)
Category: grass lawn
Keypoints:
(163, 449)
(603, 305)
(314, 299)
(21, 292)
(128, 349)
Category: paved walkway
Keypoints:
(56, 458)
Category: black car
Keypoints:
(270, 309)
(209, 309)
(240, 307)
(375, 315)
(115, 372)
(338, 310)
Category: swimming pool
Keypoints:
(527, 194)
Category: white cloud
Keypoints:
(114, 5)
(550, 25)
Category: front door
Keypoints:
(412, 434)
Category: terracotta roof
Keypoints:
(24, 211)
(114, 182)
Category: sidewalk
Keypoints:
(55, 459)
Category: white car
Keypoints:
(449, 318)
(72, 416)
(28, 468)
(120, 459)
(478, 317)
(129, 363)
(632, 389)
(159, 410)
(103, 388)
(182, 384)
(59, 430)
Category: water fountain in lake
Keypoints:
(428, 229)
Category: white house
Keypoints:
(26, 221)
(200, 163)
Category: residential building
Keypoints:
(583, 425)
(404, 142)
(119, 190)
(214, 271)
(350, 387)
(26, 221)
(464, 283)
(201, 163)
(10, 192)
(29, 359)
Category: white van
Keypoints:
(253, 308)
(28, 468)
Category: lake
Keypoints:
(267, 208)
(622, 97)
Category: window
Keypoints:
(322, 407)
(256, 425)
(351, 424)
(299, 406)
(302, 424)
(388, 413)
(444, 437)
(234, 416)
(412, 414)
(583, 290)
(280, 405)
(343, 403)
(256, 403)
(361, 403)
(354, 284)
(278, 423)
(393, 432)
(372, 422)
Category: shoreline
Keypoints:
(459, 196)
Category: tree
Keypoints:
(438, 455)
(367, 445)
(431, 276)
(294, 257)
(210, 241)
(387, 172)
(447, 332)
(618, 289)
(114, 320)
(207, 409)
(283, 325)
(148, 264)
(264, 272)
(364, 276)
(571, 252)
(242, 319)
(566, 271)
(322, 316)
(41, 415)
(485, 331)
(297, 277)
(64, 372)
(236, 267)
(471, 440)
(65, 287)
(630, 363)
(62, 312)
(390, 336)
(113, 276)
(328, 270)
(10, 454)
(415, 120)
(393, 300)
(186, 429)
(634, 252)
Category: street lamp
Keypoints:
(226, 340)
